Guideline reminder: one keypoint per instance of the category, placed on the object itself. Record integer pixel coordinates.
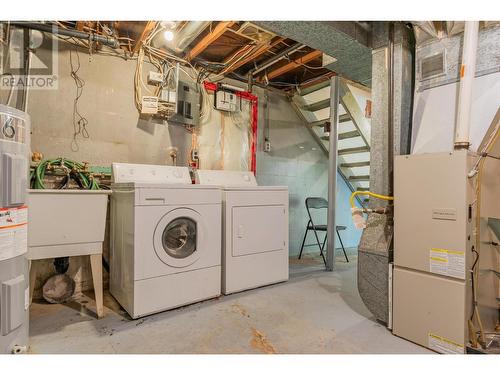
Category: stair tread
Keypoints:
(359, 178)
(355, 164)
(349, 135)
(316, 106)
(314, 88)
(353, 150)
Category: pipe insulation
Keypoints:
(467, 73)
(112, 42)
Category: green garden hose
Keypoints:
(76, 170)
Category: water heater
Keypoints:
(14, 290)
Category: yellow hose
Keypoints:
(375, 195)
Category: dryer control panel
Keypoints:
(225, 178)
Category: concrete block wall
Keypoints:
(298, 162)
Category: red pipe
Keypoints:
(211, 86)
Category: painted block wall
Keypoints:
(298, 162)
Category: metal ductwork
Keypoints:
(183, 38)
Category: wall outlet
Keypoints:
(267, 146)
(194, 155)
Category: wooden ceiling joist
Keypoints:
(256, 54)
(209, 39)
(293, 64)
(150, 25)
(80, 25)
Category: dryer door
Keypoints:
(178, 236)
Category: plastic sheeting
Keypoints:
(224, 138)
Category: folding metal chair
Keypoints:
(319, 203)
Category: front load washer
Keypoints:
(255, 230)
(165, 239)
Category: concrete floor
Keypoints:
(314, 312)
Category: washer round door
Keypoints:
(177, 237)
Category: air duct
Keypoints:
(183, 38)
(467, 73)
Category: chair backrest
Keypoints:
(316, 202)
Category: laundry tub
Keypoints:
(66, 218)
(64, 223)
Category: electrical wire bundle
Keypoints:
(167, 64)
(72, 171)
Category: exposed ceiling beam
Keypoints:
(209, 39)
(293, 64)
(80, 25)
(256, 54)
(150, 25)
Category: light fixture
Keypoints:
(168, 35)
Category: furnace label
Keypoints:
(447, 262)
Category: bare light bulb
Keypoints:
(168, 35)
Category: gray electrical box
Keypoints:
(188, 104)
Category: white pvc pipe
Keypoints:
(467, 73)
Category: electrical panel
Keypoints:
(188, 104)
(226, 101)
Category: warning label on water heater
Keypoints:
(447, 262)
(444, 346)
(13, 232)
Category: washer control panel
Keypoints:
(162, 174)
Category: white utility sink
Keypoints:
(64, 223)
(65, 217)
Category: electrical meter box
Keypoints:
(14, 291)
